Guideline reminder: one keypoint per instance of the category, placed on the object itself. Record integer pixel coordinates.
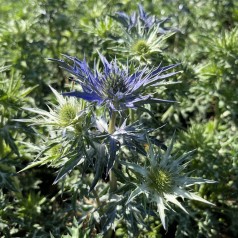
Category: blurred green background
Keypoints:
(206, 118)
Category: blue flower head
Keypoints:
(142, 19)
(114, 86)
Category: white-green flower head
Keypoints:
(67, 112)
(55, 151)
(164, 180)
(159, 180)
(142, 44)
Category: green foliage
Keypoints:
(205, 44)
(78, 231)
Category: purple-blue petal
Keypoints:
(92, 97)
(142, 12)
(162, 69)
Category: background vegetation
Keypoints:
(206, 119)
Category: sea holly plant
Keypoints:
(142, 36)
(163, 180)
(115, 87)
(126, 173)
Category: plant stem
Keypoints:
(113, 178)
(112, 123)
(131, 115)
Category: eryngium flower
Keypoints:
(163, 180)
(143, 35)
(115, 86)
(67, 112)
(141, 20)
(141, 44)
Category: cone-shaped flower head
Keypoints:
(67, 112)
(115, 86)
(140, 46)
(164, 180)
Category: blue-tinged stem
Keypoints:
(111, 129)
(113, 178)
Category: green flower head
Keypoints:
(67, 112)
(140, 45)
(164, 180)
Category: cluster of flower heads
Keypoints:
(161, 178)
(115, 86)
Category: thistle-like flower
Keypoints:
(65, 121)
(143, 35)
(141, 20)
(67, 112)
(115, 86)
(164, 180)
(141, 44)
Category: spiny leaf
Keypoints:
(68, 167)
(134, 194)
(100, 163)
(135, 167)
